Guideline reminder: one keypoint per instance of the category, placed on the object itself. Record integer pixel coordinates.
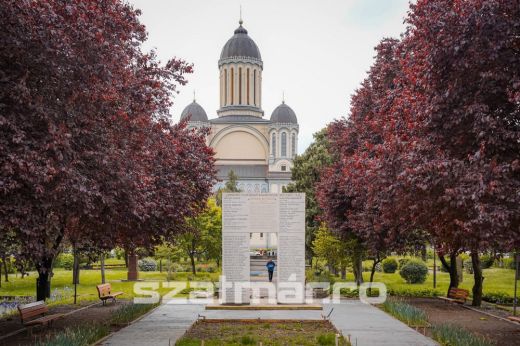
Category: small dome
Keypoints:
(196, 111)
(240, 45)
(284, 114)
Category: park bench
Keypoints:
(456, 295)
(105, 293)
(33, 314)
(514, 318)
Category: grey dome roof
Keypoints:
(284, 114)
(196, 111)
(240, 45)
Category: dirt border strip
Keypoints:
(3, 337)
(490, 314)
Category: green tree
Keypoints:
(305, 173)
(230, 186)
(203, 237)
(327, 246)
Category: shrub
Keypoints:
(449, 334)
(414, 272)
(147, 264)
(498, 298)
(413, 292)
(507, 263)
(486, 261)
(406, 313)
(389, 265)
(402, 262)
(65, 261)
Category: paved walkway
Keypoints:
(366, 325)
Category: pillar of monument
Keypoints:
(133, 273)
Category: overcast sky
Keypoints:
(317, 51)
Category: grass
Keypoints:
(62, 281)
(451, 335)
(406, 313)
(77, 336)
(269, 334)
(496, 280)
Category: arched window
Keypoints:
(225, 87)
(273, 144)
(240, 85)
(232, 76)
(293, 144)
(284, 144)
(247, 81)
(254, 87)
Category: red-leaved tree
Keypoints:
(86, 149)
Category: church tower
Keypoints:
(240, 67)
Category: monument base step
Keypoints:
(266, 307)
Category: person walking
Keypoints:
(270, 269)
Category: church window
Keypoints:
(225, 86)
(254, 87)
(247, 86)
(240, 85)
(293, 144)
(232, 85)
(261, 235)
(284, 168)
(273, 144)
(284, 144)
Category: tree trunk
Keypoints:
(0, 277)
(6, 271)
(43, 285)
(75, 269)
(102, 262)
(358, 269)
(424, 253)
(452, 269)
(343, 272)
(477, 275)
(192, 259)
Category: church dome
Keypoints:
(196, 111)
(284, 114)
(240, 45)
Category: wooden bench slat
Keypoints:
(104, 292)
(43, 320)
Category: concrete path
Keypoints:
(366, 325)
(162, 327)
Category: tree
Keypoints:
(86, 145)
(460, 59)
(305, 174)
(230, 186)
(203, 235)
(329, 247)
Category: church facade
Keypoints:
(259, 151)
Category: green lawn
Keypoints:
(496, 280)
(62, 280)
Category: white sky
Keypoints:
(317, 51)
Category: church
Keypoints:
(259, 151)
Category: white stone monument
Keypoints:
(245, 213)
